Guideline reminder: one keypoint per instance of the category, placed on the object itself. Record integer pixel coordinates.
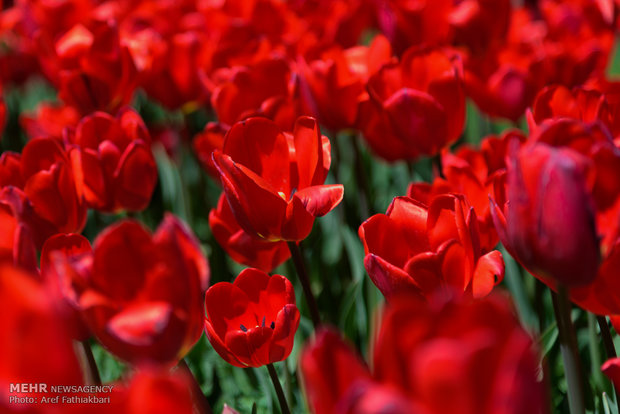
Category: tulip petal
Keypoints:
(489, 272)
(308, 152)
(320, 199)
(140, 324)
(255, 205)
(286, 325)
(135, 177)
(220, 347)
(388, 278)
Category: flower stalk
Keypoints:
(568, 349)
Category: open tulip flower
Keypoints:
(141, 294)
(273, 181)
(418, 248)
(252, 321)
(21, 356)
(114, 160)
(41, 190)
(454, 357)
(415, 106)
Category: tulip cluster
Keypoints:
(138, 138)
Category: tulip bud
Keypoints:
(548, 222)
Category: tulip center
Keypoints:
(283, 195)
(272, 325)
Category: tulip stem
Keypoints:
(300, 267)
(608, 342)
(361, 178)
(90, 364)
(438, 166)
(199, 397)
(569, 351)
(279, 392)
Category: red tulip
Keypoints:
(262, 89)
(548, 223)
(153, 390)
(10, 169)
(329, 353)
(241, 246)
(49, 120)
(3, 112)
(416, 22)
(579, 103)
(333, 85)
(52, 189)
(481, 25)
(22, 230)
(95, 70)
(35, 346)
(252, 321)
(204, 143)
(422, 249)
(473, 351)
(169, 66)
(114, 160)
(63, 283)
(274, 181)
(141, 294)
(476, 173)
(415, 107)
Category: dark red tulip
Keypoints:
(594, 142)
(424, 249)
(481, 25)
(548, 222)
(475, 351)
(22, 230)
(274, 181)
(241, 246)
(252, 321)
(114, 159)
(408, 23)
(416, 106)
(141, 294)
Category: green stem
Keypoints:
(361, 179)
(608, 342)
(300, 267)
(278, 387)
(568, 348)
(90, 363)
